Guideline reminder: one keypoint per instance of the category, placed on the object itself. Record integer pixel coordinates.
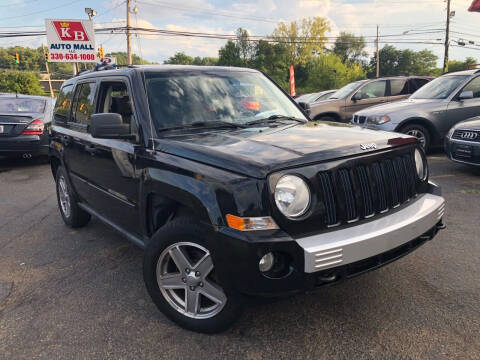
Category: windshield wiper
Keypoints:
(203, 124)
(274, 118)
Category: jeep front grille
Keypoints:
(363, 191)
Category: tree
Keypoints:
(404, 62)
(350, 47)
(244, 46)
(303, 39)
(271, 59)
(455, 65)
(327, 71)
(20, 82)
(229, 55)
(179, 58)
(122, 58)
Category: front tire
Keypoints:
(72, 214)
(180, 276)
(420, 132)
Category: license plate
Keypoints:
(464, 151)
(1, 129)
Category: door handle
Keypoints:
(91, 149)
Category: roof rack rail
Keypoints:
(102, 67)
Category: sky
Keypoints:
(399, 21)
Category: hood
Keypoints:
(405, 107)
(326, 102)
(470, 124)
(258, 151)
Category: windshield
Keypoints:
(440, 88)
(346, 90)
(21, 105)
(183, 98)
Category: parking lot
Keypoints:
(79, 293)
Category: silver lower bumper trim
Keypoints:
(359, 242)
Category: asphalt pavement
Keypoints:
(68, 294)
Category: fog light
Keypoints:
(266, 262)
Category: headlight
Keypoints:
(292, 196)
(420, 165)
(378, 119)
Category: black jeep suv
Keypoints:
(231, 191)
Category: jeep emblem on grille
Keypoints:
(469, 135)
(371, 146)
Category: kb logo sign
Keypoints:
(70, 31)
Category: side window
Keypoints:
(62, 105)
(473, 86)
(398, 87)
(373, 90)
(114, 98)
(416, 84)
(83, 106)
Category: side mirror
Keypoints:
(306, 108)
(109, 126)
(357, 96)
(466, 95)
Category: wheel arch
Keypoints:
(332, 114)
(434, 135)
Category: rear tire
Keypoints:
(180, 277)
(72, 214)
(420, 132)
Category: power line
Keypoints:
(41, 11)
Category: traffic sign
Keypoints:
(70, 40)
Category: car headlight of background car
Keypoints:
(421, 165)
(378, 119)
(450, 132)
(292, 196)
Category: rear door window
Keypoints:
(416, 84)
(398, 87)
(63, 103)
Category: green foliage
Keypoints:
(272, 60)
(229, 55)
(20, 82)
(302, 39)
(327, 71)
(455, 65)
(404, 62)
(180, 58)
(122, 58)
(350, 47)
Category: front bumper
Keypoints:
(327, 257)
(464, 152)
(325, 251)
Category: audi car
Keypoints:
(462, 143)
(24, 124)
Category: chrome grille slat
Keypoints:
(346, 184)
(366, 192)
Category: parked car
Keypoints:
(462, 144)
(310, 98)
(431, 111)
(24, 124)
(362, 94)
(229, 200)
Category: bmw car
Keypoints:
(24, 123)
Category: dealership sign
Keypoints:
(70, 40)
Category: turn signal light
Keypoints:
(34, 128)
(251, 223)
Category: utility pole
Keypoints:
(378, 56)
(46, 55)
(447, 39)
(129, 35)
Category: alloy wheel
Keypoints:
(186, 278)
(64, 196)
(419, 135)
